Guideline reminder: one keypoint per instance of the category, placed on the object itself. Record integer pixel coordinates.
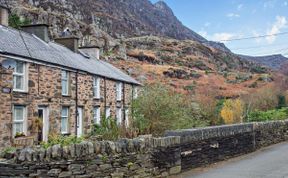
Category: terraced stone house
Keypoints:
(65, 88)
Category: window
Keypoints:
(96, 87)
(19, 118)
(119, 116)
(135, 92)
(65, 120)
(96, 115)
(119, 91)
(127, 117)
(19, 77)
(65, 83)
(107, 112)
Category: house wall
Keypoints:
(5, 107)
(45, 90)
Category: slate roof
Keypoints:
(19, 43)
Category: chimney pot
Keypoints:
(40, 30)
(4, 15)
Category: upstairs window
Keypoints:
(119, 88)
(65, 83)
(19, 120)
(96, 87)
(19, 77)
(65, 120)
(96, 115)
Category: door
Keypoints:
(80, 122)
(43, 126)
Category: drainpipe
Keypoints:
(76, 104)
(105, 97)
(124, 105)
(132, 102)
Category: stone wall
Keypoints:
(140, 157)
(146, 156)
(209, 145)
(44, 89)
(5, 107)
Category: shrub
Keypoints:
(16, 22)
(275, 114)
(232, 111)
(159, 109)
(56, 139)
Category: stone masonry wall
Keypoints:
(209, 145)
(140, 157)
(5, 109)
(146, 156)
(44, 89)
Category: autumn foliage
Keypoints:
(232, 111)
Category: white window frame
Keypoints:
(119, 90)
(63, 79)
(107, 112)
(97, 115)
(23, 121)
(127, 117)
(119, 116)
(67, 120)
(135, 92)
(96, 87)
(23, 75)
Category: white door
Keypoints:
(80, 122)
(43, 114)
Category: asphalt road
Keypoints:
(271, 162)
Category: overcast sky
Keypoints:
(229, 19)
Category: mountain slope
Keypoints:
(273, 61)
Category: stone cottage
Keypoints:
(57, 84)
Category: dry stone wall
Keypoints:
(140, 157)
(146, 156)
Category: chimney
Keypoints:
(70, 42)
(40, 30)
(4, 15)
(92, 51)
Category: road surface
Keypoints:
(271, 162)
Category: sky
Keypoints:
(219, 20)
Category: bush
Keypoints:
(159, 109)
(275, 114)
(56, 139)
(110, 130)
(232, 111)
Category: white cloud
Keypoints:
(233, 15)
(269, 4)
(203, 33)
(239, 7)
(222, 36)
(207, 24)
(278, 25)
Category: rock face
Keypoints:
(274, 61)
(123, 18)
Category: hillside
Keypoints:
(273, 61)
(150, 43)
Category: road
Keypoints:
(271, 162)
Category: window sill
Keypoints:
(66, 96)
(20, 91)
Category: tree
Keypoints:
(232, 111)
(158, 109)
(16, 22)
